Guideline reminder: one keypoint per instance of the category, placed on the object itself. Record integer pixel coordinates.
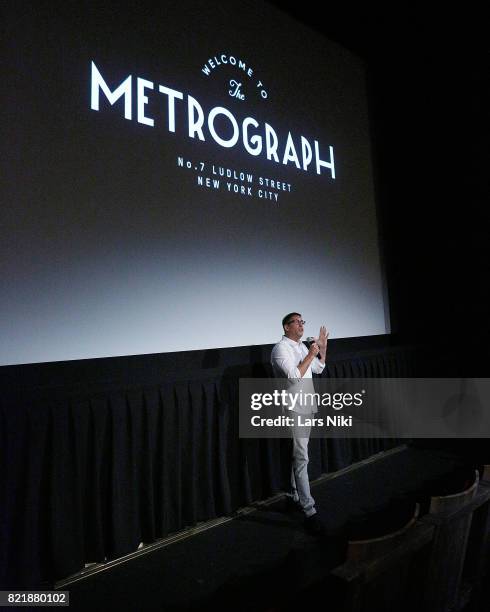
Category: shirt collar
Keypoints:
(292, 342)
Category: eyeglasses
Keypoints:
(298, 321)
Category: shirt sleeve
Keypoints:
(283, 362)
(317, 366)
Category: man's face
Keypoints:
(294, 328)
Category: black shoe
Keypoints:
(314, 526)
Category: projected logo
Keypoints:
(218, 126)
(244, 70)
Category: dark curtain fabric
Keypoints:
(87, 476)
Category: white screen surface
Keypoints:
(126, 137)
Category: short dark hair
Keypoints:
(285, 319)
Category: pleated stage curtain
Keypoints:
(86, 477)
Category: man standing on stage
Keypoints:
(291, 359)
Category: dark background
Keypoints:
(427, 76)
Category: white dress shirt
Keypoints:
(287, 355)
(285, 358)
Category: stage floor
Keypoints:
(262, 557)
